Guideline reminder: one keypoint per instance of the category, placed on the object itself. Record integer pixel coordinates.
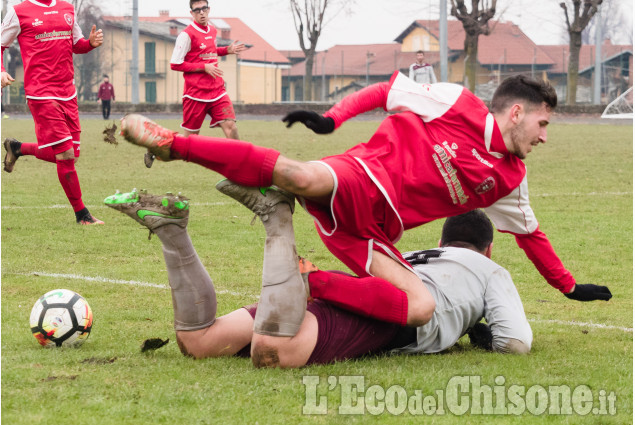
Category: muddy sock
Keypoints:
(282, 303)
(193, 293)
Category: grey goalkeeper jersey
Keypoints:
(468, 286)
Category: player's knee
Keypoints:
(511, 346)
(185, 345)
(265, 355)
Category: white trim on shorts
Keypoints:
(55, 143)
(385, 193)
(204, 100)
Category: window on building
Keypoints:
(151, 92)
(150, 58)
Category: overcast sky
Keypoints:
(372, 21)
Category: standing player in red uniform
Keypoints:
(48, 35)
(445, 154)
(196, 56)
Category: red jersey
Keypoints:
(106, 92)
(195, 47)
(445, 156)
(48, 36)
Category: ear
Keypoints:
(488, 251)
(516, 113)
(439, 243)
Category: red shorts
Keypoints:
(343, 335)
(194, 112)
(361, 217)
(56, 124)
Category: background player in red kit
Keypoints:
(48, 35)
(445, 154)
(196, 56)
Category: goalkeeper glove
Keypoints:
(313, 121)
(481, 336)
(589, 292)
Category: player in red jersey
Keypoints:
(445, 154)
(48, 35)
(196, 56)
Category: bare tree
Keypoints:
(581, 15)
(615, 22)
(87, 66)
(309, 18)
(475, 23)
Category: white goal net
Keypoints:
(621, 107)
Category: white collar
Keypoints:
(195, 25)
(37, 3)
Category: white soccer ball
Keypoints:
(61, 318)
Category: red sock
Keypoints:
(45, 154)
(241, 162)
(70, 182)
(368, 296)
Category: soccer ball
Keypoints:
(61, 318)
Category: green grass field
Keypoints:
(581, 190)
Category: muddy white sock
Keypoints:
(193, 293)
(282, 302)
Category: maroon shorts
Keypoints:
(343, 335)
(361, 218)
(194, 112)
(56, 124)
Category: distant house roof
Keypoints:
(351, 60)
(505, 44)
(259, 51)
(560, 55)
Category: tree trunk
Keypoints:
(471, 59)
(308, 79)
(575, 43)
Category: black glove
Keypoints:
(313, 121)
(589, 292)
(481, 336)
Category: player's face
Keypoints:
(530, 131)
(419, 57)
(200, 12)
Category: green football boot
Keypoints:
(152, 211)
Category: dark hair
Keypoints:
(524, 89)
(421, 51)
(105, 76)
(472, 228)
(196, 1)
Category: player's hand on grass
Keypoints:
(481, 336)
(589, 292)
(96, 37)
(313, 121)
(213, 70)
(6, 79)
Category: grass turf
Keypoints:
(581, 190)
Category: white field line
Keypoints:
(582, 324)
(212, 204)
(100, 279)
(237, 294)
(57, 206)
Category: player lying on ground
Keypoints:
(282, 330)
(48, 35)
(451, 157)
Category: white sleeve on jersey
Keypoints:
(505, 315)
(427, 101)
(513, 213)
(411, 72)
(77, 32)
(181, 48)
(10, 27)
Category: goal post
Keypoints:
(621, 107)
